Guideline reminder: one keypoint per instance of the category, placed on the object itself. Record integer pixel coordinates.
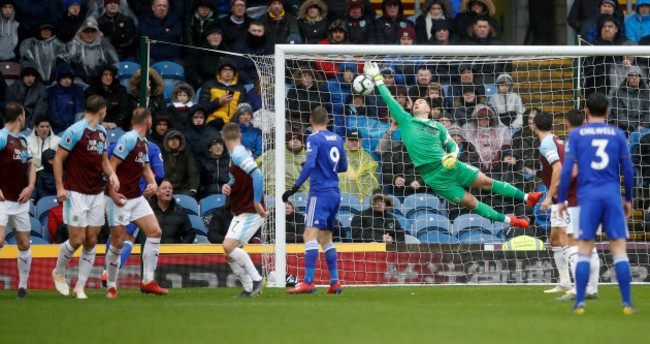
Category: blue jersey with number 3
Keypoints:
(599, 149)
(325, 159)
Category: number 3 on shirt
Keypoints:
(335, 156)
(600, 152)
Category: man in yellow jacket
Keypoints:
(221, 95)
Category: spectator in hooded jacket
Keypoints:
(201, 65)
(589, 29)
(337, 89)
(255, 43)
(235, 24)
(336, 34)
(471, 9)
(488, 136)
(43, 49)
(303, 97)
(377, 224)
(312, 21)
(174, 221)
(295, 224)
(340, 8)
(160, 127)
(358, 23)
(30, 92)
(580, 11)
(108, 86)
(251, 136)
(156, 103)
(631, 103)
(467, 78)
(203, 17)
(65, 99)
(406, 66)
(197, 134)
(45, 183)
(506, 103)
(9, 35)
(221, 95)
(442, 33)
(67, 27)
(120, 29)
(281, 27)
(638, 25)
(162, 25)
(180, 166)
(387, 27)
(481, 33)
(89, 51)
(31, 13)
(432, 11)
(214, 168)
(182, 98)
(41, 139)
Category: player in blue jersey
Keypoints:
(245, 190)
(325, 159)
(156, 165)
(599, 150)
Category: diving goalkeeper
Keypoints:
(426, 140)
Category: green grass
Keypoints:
(441, 314)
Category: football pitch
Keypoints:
(440, 314)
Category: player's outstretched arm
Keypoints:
(371, 70)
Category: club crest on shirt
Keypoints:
(101, 136)
(23, 143)
(93, 145)
(140, 158)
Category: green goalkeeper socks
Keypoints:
(507, 190)
(487, 212)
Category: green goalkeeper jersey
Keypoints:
(425, 140)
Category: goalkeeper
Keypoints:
(426, 140)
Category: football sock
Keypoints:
(572, 255)
(330, 258)
(582, 276)
(241, 275)
(126, 251)
(507, 190)
(112, 263)
(65, 254)
(86, 261)
(150, 259)
(562, 266)
(245, 261)
(108, 246)
(594, 272)
(24, 264)
(487, 212)
(311, 254)
(622, 265)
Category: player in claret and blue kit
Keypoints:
(599, 150)
(325, 159)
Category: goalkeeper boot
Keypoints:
(515, 222)
(335, 289)
(303, 288)
(579, 309)
(104, 280)
(152, 288)
(533, 198)
(111, 293)
(629, 310)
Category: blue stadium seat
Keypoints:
(37, 228)
(430, 222)
(249, 87)
(435, 237)
(345, 219)
(198, 225)
(126, 71)
(210, 203)
(398, 204)
(543, 219)
(26, 132)
(478, 237)
(409, 239)
(32, 208)
(490, 89)
(299, 201)
(413, 18)
(635, 137)
(38, 241)
(169, 70)
(114, 134)
(446, 89)
(188, 203)
(43, 207)
(499, 229)
(201, 239)
(470, 222)
(350, 203)
(421, 203)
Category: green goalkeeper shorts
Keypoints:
(449, 184)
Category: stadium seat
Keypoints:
(299, 201)
(436, 237)
(413, 17)
(169, 70)
(188, 203)
(43, 207)
(543, 219)
(37, 228)
(490, 89)
(38, 241)
(32, 208)
(478, 237)
(499, 229)
(114, 134)
(126, 71)
(409, 239)
(398, 204)
(469, 222)
(198, 225)
(201, 239)
(26, 132)
(345, 219)
(445, 90)
(350, 203)
(421, 203)
(212, 202)
(430, 222)
(635, 137)
(249, 87)
(11, 72)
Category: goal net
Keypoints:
(420, 238)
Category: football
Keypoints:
(363, 85)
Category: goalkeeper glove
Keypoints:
(449, 161)
(289, 193)
(371, 70)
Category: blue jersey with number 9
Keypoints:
(326, 152)
(599, 149)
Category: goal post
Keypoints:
(555, 90)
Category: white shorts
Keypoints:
(135, 208)
(15, 215)
(244, 226)
(574, 220)
(567, 222)
(81, 210)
